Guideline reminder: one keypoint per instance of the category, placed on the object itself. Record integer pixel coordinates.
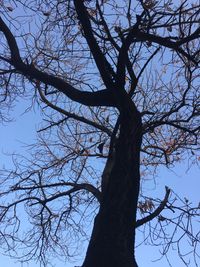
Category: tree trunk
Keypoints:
(113, 236)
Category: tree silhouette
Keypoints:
(117, 87)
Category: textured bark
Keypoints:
(113, 236)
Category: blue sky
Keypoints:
(16, 134)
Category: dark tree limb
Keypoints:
(103, 65)
(166, 42)
(99, 98)
(193, 36)
(156, 212)
(123, 59)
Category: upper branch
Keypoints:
(123, 59)
(99, 98)
(166, 42)
(103, 65)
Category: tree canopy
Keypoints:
(117, 87)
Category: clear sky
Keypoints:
(17, 133)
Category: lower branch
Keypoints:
(156, 211)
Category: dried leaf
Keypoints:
(169, 28)
(47, 13)
(10, 8)
(149, 4)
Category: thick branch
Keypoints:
(194, 35)
(103, 65)
(99, 98)
(123, 59)
(156, 212)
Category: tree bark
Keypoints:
(113, 236)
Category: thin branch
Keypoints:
(75, 187)
(73, 115)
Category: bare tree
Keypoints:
(117, 86)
